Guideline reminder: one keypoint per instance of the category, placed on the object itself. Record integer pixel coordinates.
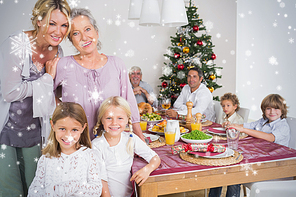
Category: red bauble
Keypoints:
(199, 42)
(164, 84)
(173, 96)
(181, 39)
(180, 67)
(195, 28)
(213, 56)
(182, 85)
(177, 55)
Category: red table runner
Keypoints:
(254, 151)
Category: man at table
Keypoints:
(142, 90)
(198, 94)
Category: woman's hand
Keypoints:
(51, 66)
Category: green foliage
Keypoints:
(191, 54)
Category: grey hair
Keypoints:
(133, 69)
(75, 12)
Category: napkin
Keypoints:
(216, 130)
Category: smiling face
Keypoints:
(193, 80)
(83, 35)
(135, 77)
(114, 121)
(67, 132)
(56, 30)
(228, 107)
(272, 113)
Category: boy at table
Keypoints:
(273, 126)
(196, 92)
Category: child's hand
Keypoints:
(238, 127)
(141, 176)
(225, 124)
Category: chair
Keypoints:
(244, 113)
(218, 110)
(281, 187)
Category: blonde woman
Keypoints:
(26, 97)
(116, 148)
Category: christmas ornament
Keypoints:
(199, 42)
(181, 75)
(212, 77)
(213, 56)
(195, 28)
(177, 55)
(180, 67)
(211, 89)
(180, 44)
(182, 85)
(173, 96)
(186, 50)
(164, 84)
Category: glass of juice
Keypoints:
(143, 125)
(170, 135)
(195, 125)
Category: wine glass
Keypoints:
(165, 104)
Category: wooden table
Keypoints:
(252, 168)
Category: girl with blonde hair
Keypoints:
(68, 165)
(116, 148)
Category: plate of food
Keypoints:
(160, 130)
(217, 131)
(227, 153)
(151, 136)
(196, 136)
(151, 118)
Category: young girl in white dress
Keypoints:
(116, 148)
(68, 166)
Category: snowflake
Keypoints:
(242, 15)
(279, 88)
(15, 69)
(166, 70)
(274, 24)
(20, 134)
(153, 36)
(36, 159)
(118, 16)
(250, 12)
(2, 155)
(248, 53)
(232, 52)
(109, 21)
(1, 2)
(272, 60)
(181, 75)
(73, 3)
(131, 24)
(64, 83)
(209, 25)
(169, 52)
(196, 61)
(22, 47)
(117, 22)
(3, 147)
(95, 95)
(218, 35)
(130, 53)
(291, 40)
(254, 108)
(28, 128)
(282, 4)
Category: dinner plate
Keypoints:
(217, 131)
(152, 137)
(154, 122)
(162, 133)
(197, 141)
(228, 152)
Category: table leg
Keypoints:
(148, 190)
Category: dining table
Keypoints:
(262, 160)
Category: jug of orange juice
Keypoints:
(174, 126)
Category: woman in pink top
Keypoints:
(89, 77)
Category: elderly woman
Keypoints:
(89, 77)
(26, 97)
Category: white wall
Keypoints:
(138, 45)
(265, 57)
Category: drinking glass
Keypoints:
(232, 138)
(166, 103)
(170, 135)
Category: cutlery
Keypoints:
(147, 141)
(240, 152)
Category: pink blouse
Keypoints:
(90, 87)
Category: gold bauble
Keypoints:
(211, 89)
(180, 44)
(212, 77)
(186, 50)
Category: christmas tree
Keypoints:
(191, 47)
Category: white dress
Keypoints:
(77, 174)
(117, 162)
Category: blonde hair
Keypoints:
(231, 97)
(44, 8)
(274, 101)
(64, 110)
(120, 102)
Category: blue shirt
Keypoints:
(279, 128)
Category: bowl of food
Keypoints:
(151, 118)
(160, 130)
(196, 136)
